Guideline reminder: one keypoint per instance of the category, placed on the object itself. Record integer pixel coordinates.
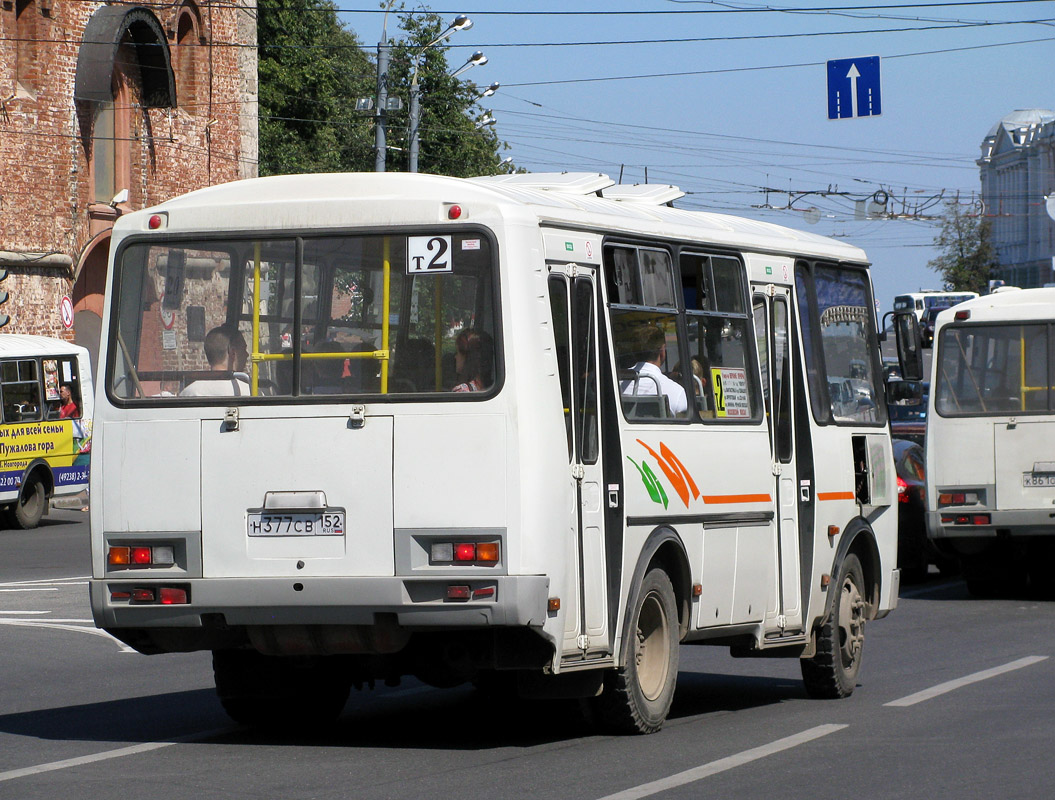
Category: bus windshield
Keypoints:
(993, 369)
(304, 316)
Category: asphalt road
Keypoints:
(956, 699)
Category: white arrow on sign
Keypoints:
(853, 75)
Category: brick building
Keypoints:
(105, 109)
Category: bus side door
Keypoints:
(573, 300)
(773, 333)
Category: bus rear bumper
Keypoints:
(1015, 523)
(416, 603)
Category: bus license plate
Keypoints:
(1033, 479)
(312, 523)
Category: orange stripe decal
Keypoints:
(737, 498)
(835, 495)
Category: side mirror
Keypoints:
(909, 344)
(904, 393)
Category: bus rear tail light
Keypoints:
(960, 316)
(966, 519)
(124, 556)
(958, 499)
(464, 553)
(902, 490)
(149, 595)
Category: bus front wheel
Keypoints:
(27, 510)
(636, 697)
(833, 671)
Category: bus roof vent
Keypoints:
(578, 183)
(656, 194)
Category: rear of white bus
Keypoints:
(991, 441)
(343, 500)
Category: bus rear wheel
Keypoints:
(636, 697)
(278, 692)
(833, 671)
(27, 510)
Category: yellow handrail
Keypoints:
(255, 355)
(385, 308)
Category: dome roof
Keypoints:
(1023, 117)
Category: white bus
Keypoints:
(991, 439)
(536, 427)
(46, 399)
(919, 302)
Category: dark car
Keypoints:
(926, 326)
(907, 409)
(915, 552)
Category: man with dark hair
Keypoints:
(226, 352)
(652, 348)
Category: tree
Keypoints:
(311, 72)
(967, 261)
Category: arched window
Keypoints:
(26, 36)
(188, 56)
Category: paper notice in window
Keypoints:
(730, 392)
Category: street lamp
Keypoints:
(486, 121)
(477, 59)
(490, 90)
(460, 23)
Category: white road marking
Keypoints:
(71, 581)
(723, 764)
(107, 755)
(32, 623)
(966, 680)
(32, 589)
(24, 613)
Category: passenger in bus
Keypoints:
(329, 372)
(226, 352)
(69, 409)
(652, 350)
(474, 360)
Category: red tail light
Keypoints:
(902, 490)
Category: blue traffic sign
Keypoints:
(853, 88)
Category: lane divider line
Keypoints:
(966, 680)
(106, 755)
(723, 764)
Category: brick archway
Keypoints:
(89, 290)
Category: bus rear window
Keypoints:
(993, 369)
(305, 317)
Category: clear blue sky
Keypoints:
(743, 106)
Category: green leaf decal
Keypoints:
(652, 484)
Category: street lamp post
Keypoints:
(460, 23)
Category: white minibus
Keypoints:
(541, 428)
(991, 440)
(46, 400)
(921, 302)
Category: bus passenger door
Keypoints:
(573, 300)
(773, 333)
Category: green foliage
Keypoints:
(967, 260)
(312, 71)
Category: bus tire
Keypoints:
(278, 692)
(832, 672)
(636, 697)
(27, 510)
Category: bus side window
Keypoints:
(21, 391)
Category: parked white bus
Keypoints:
(46, 399)
(991, 439)
(920, 302)
(362, 426)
